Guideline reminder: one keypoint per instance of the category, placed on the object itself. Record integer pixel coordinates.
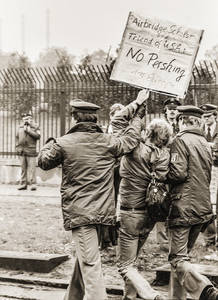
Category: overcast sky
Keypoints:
(78, 25)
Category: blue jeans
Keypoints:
(134, 230)
(87, 279)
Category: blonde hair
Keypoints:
(159, 132)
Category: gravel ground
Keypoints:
(36, 226)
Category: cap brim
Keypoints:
(173, 106)
(208, 114)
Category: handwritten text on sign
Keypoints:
(156, 54)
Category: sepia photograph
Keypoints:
(108, 150)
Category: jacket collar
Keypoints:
(215, 133)
(85, 127)
(192, 129)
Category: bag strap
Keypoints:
(153, 170)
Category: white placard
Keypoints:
(157, 55)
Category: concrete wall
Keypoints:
(10, 173)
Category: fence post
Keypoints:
(62, 112)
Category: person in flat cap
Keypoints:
(210, 128)
(27, 135)
(170, 112)
(88, 156)
(210, 125)
(191, 211)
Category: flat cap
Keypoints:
(83, 106)
(172, 102)
(189, 110)
(209, 109)
(25, 115)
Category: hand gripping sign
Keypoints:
(157, 55)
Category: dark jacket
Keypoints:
(215, 144)
(26, 141)
(190, 175)
(215, 133)
(88, 156)
(215, 152)
(135, 167)
(135, 170)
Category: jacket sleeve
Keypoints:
(34, 133)
(215, 152)
(129, 139)
(178, 169)
(121, 120)
(50, 156)
(161, 161)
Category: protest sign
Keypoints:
(157, 55)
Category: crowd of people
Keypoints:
(98, 166)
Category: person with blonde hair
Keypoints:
(135, 222)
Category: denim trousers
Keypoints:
(184, 278)
(161, 233)
(135, 227)
(28, 170)
(87, 282)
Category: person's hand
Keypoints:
(143, 95)
(26, 126)
(19, 152)
(50, 140)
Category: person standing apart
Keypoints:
(191, 210)
(210, 128)
(27, 135)
(88, 156)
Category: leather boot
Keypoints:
(209, 293)
(22, 187)
(159, 297)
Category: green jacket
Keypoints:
(88, 156)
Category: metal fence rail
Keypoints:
(47, 93)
